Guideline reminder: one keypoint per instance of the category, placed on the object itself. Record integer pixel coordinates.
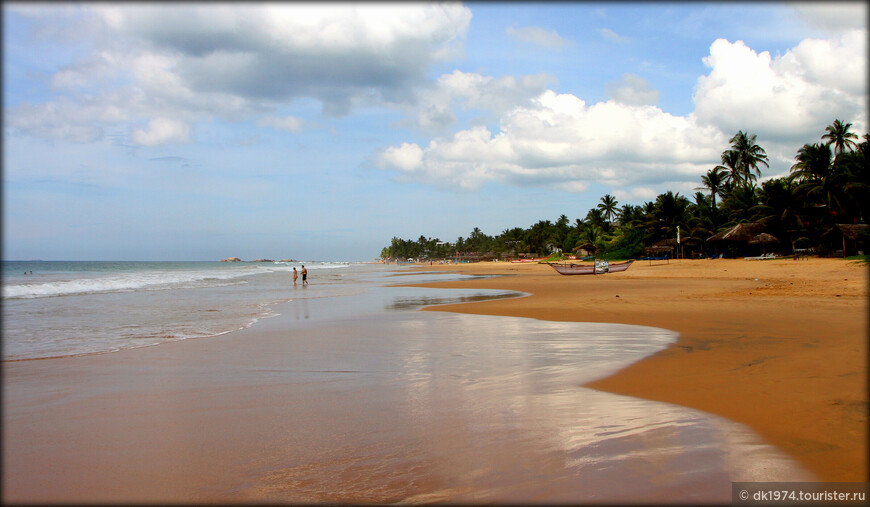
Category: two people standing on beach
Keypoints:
(304, 275)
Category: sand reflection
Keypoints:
(489, 409)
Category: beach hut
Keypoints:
(737, 238)
(584, 250)
(855, 236)
(763, 239)
(663, 248)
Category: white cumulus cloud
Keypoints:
(161, 131)
(195, 62)
(627, 142)
(491, 96)
(633, 90)
(795, 94)
(560, 140)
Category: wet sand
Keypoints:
(780, 345)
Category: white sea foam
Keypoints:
(124, 282)
(150, 280)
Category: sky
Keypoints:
(320, 131)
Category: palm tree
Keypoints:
(608, 207)
(818, 176)
(739, 201)
(670, 210)
(540, 235)
(780, 208)
(750, 155)
(838, 134)
(562, 228)
(629, 214)
(730, 168)
(595, 218)
(714, 181)
(592, 234)
(477, 239)
(701, 205)
(856, 166)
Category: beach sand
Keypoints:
(779, 345)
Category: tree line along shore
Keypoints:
(820, 207)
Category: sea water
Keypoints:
(53, 308)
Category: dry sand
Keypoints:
(780, 345)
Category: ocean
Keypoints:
(68, 308)
(72, 308)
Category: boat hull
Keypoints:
(598, 268)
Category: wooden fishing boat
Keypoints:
(600, 267)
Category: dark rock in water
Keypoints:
(231, 259)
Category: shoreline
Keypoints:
(775, 345)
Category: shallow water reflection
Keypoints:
(414, 302)
(470, 408)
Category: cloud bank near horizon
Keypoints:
(559, 140)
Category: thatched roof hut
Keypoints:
(853, 231)
(740, 232)
(856, 234)
(670, 242)
(763, 239)
(585, 249)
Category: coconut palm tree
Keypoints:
(739, 201)
(750, 155)
(730, 168)
(608, 207)
(715, 181)
(630, 214)
(562, 229)
(817, 176)
(856, 166)
(595, 218)
(669, 211)
(838, 134)
(780, 208)
(592, 234)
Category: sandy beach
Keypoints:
(778, 345)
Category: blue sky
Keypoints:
(320, 131)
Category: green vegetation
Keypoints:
(556, 257)
(865, 259)
(829, 184)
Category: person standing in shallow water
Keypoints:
(295, 275)
(304, 275)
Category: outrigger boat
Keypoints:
(600, 267)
